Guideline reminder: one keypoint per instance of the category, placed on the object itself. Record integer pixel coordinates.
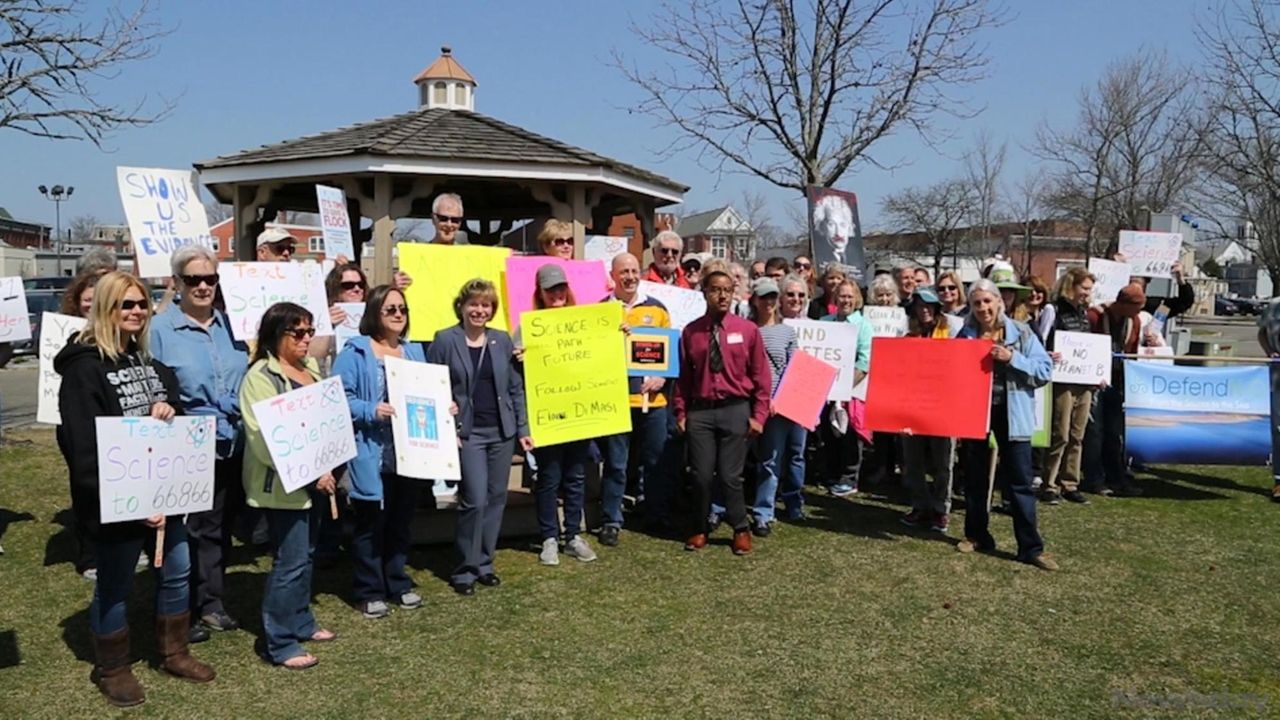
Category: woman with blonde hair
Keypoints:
(951, 294)
(107, 371)
(556, 239)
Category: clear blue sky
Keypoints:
(251, 73)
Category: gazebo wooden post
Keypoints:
(383, 227)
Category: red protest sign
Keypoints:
(940, 388)
(804, 388)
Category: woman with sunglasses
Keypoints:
(556, 239)
(383, 501)
(345, 283)
(108, 371)
(194, 339)
(281, 363)
(951, 295)
(803, 267)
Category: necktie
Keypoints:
(715, 359)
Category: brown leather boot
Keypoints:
(741, 542)
(113, 673)
(171, 643)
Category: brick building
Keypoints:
(1052, 246)
(22, 234)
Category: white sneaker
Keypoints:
(550, 554)
(1036, 482)
(579, 548)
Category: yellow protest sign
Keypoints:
(438, 273)
(575, 370)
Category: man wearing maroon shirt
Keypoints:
(721, 401)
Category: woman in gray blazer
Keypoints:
(489, 392)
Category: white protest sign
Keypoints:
(350, 327)
(249, 288)
(150, 467)
(55, 331)
(423, 428)
(1086, 358)
(1161, 355)
(308, 431)
(603, 247)
(1151, 254)
(835, 343)
(1110, 277)
(886, 321)
(684, 306)
(335, 224)
(164, 212)
(15, 320)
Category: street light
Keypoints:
(57, 194)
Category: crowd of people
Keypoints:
(705, 449)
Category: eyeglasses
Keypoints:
(299, 333)
(284, 247)
(392, 310)
(668, 251)
(453, 219)
(795, 295)
(947, 288)
(351, 284)
(562, 242)
(127, 305)
(195, 281)
(803, 266)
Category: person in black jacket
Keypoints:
(1071, 403)
(107, 372)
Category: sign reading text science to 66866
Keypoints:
(308, 431)
(150, 467)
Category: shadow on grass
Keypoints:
(78, 638)
(62, 546)
(872, 521)
(8, 517)
(1164, 479)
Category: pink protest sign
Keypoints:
(804, 388)
(587, 280)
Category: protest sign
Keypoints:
(164, 211)
(439, 272)
(653, 352)
(425, 434)
(1110, 277)
(835, 232)
(587, 279)
(152, 467)
(335, 223)
(1197, 415)
(55, 331)
(15, 320)
(1150, 254)
(1043, 431)
(575, 373)
(350, 327)
(804, 388)
(604, 248)
(886, 321)
(249, 288)
(308, 431)
(1161, 355)
(939, 389)
(1086, 358)
(684, 306)
(834, 343)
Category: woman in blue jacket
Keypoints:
(1020, 365)
(383, 502)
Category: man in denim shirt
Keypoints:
(194, 339)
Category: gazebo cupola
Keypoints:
(446, 84)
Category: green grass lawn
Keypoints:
(1173, 598)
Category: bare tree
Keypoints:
(797, 96)
(1025, 205)
(84, 229)
(1242, 149)
(53, 57)
(938, 213)
(1132, 151)
(983, 166)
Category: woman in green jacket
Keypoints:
(281, 364)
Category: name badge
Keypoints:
(734, 339)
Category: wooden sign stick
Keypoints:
(159, 556)
(333, 505)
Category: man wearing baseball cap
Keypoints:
(276, 245)
(1106, 473)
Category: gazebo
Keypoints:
(393, 167)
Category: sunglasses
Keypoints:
(795, 294)
(803, 266)
(392, 310)
(299, 333)
(127, 305)
(283, 247)
(947, 288)
(668, 251)
(351, 284)
(454, 219)
(562, 242)
(195, 281)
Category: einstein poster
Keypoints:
(835, 235)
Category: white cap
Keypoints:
(274, 235)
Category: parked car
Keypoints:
(1223, 306)
(51, 282)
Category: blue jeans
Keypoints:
(117, 563)
(1013, 477)
(380, 542)
(286, 601)
(650, 431)
(561, 466)
(781, 460)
